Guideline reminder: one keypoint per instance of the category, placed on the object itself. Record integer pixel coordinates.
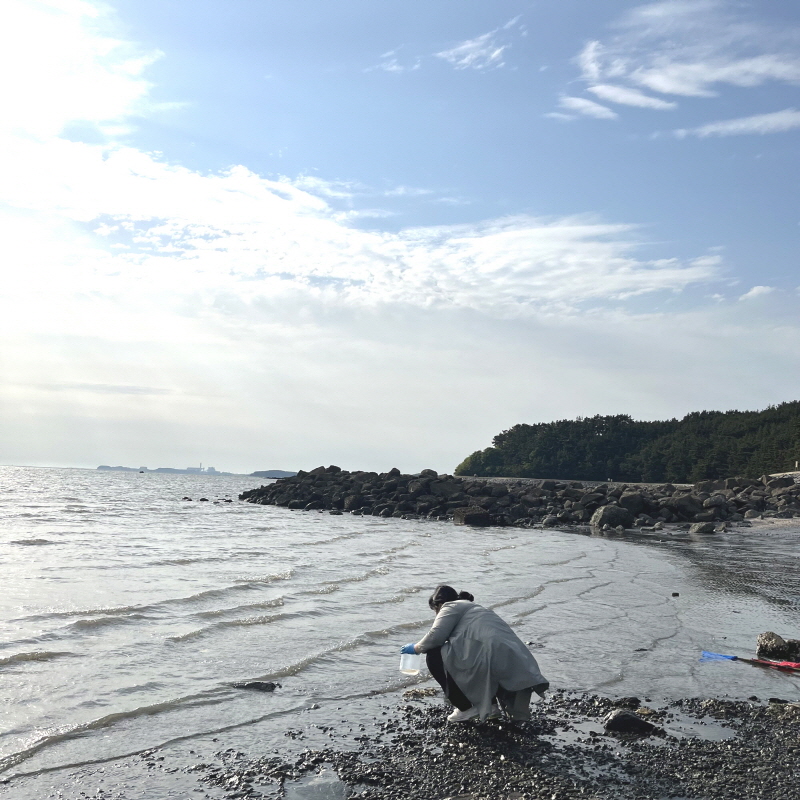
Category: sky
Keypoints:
(262, 234)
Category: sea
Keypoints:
(129, 614)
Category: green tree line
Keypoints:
(703, 445)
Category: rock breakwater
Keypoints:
(707, 505)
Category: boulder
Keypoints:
(258, 686)
(708, 486)
(779, 483)
(684, 506)
(418, 487)
(445, 488)
(612, 516)
(702, 527)
(352, 502)
(633, 501)
(739, 483)
(623, 721)
(775, 647)
(472, 515)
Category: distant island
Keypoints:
(272, 473)
(201, 470)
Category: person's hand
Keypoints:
(409, 650)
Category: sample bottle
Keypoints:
(410, 664)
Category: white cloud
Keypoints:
(407, 191)
(775, 122)
(61, 67)
(482, 52)
(757, 291)
(587, 108)
(560, 116)
(341, 190)
(688, 49)
(391, 63)
(630, 97)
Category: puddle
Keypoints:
(323, 785)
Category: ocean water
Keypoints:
(128, 613)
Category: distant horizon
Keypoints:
(114, 468)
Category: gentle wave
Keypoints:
(358, 578)
(105, 622)
(36, 655)
(402, 596)
(221, 612)
(329, 588)
(339, 538)
(290, 670)
(247, 622)
(32, 542)
(208, 594)
(179, 562)
(261, 579)
(88, 612)
(511, 600)
(75, 731)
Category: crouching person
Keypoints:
(483, 667)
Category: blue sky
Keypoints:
(272, 234)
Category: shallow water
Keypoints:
(127, 613)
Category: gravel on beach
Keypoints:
(712, 748)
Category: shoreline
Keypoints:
(400, 747)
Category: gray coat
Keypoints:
(483, 654)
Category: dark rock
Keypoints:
(631, 703)
(633, 501)
(775, 647)
(258, 686)
(445, 488)
(684, 506)
(472, 515)
(612, 516)
(780, 483)
(708, 486)
(702, 527)
(623, 721)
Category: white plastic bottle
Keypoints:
(410, 664)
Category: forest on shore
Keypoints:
(703, 445)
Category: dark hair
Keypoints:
(446, 594)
